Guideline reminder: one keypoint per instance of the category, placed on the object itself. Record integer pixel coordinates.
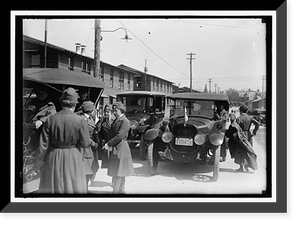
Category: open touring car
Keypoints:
(190, 132)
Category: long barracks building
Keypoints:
(116, 78)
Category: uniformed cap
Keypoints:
(69, 94)
(243, 108)
(87, 106)
(119, 105)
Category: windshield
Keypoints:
(143, 104)
(199, 108)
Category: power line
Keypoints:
(219, 25)
(154, 52)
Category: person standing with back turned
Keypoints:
(120, 163)
(58, 155)
(245, 121)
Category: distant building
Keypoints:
(249, 94)
(256, 103)
(177, 89)
(147, 82)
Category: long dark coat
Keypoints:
(240, 148)
(61, 137)
(90, 154)
(120, 160)
(103, 127)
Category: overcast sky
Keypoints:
(229, 51)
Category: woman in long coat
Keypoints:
(240, 148)
(90, 154)
(103, 128)
(58, 156)
(120, 163)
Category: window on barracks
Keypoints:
(102, 72)
(138, 82)
(111, 80)
(35, 60)
(121, 80)
(128, 82)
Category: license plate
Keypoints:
(184, 141)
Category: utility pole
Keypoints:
(191, 76)
(97, 49)
(210, 81)
(145, 70)
(45, 50)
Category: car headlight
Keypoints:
(133, 124)
(167, 137)
(199, 139)
(216, 139)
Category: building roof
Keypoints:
(135, 71)
(42, 43)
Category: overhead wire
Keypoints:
(153, 51)
(147, 55)
(207, 66)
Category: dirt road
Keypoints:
(192, 179)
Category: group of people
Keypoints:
(239, 139)
(70, 145)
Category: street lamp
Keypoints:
(98, 39)
(125, 37)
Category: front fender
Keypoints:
(151, 134)
(217, 139)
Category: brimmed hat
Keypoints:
(108, 107)
(243, 108)
(69, 94)
(87, 106)
(119, 105)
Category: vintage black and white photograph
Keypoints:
(125, 106)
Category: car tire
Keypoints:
(216, 163)
(152, 159)
(143, 148)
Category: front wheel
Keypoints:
(216, 163)
(152, 159)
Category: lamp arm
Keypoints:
(115, 30)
